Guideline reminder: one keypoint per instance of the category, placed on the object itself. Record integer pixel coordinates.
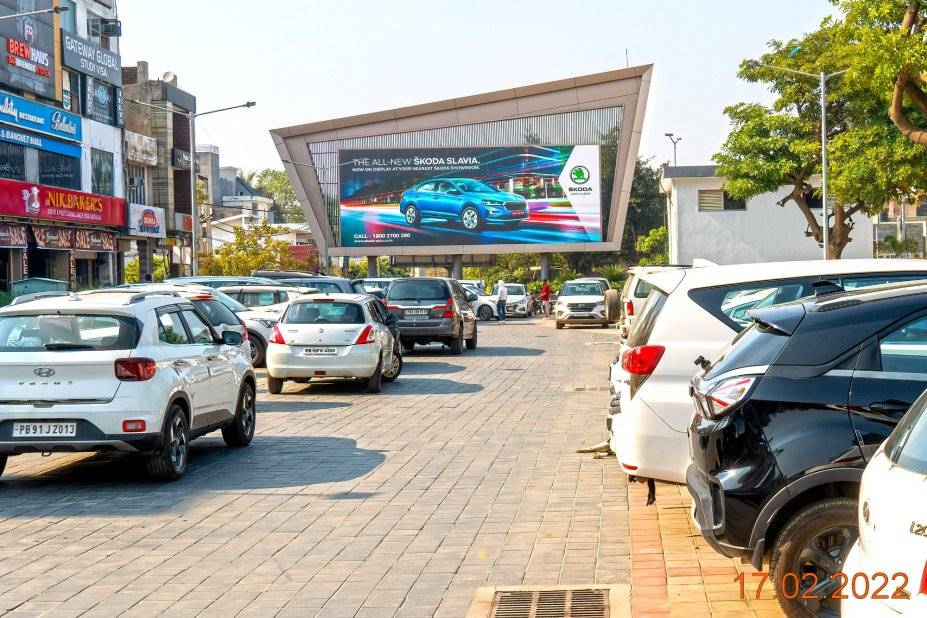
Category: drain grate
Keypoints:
(583, 603)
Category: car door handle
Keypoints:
(212, 357)
(888, 407)
(181, 363)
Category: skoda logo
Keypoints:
(44, 372)
(579, 174)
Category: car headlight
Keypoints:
(493, 211)
(266, 323)
(492, 203)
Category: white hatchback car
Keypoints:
(689, 316)
(120, 370)
(333, 336)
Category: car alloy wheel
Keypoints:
(824, 555)
(411, 215)
(395, 367)
(485, 313)
(177, 444)
(247, 412)
(470, 218)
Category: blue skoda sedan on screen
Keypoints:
(464, 200)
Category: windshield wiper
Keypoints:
(67, 346)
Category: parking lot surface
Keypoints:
(461, 474)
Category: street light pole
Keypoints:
(191, 116)
(675, 141)
(56, 9)
(822, 79)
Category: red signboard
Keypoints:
(21, 199)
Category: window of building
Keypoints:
(95, 30)
(135, 177)
(57, 170)
(101, 163)
(70, 91)
(12, 161)
(69, 16)
(715, 199)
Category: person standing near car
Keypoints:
(502, 294)
(545, 298)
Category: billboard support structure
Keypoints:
(624, 89)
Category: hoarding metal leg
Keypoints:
(545, 266)
(457, 267)
(373, 269)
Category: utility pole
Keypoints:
(675, 141)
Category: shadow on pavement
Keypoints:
(506, 351)
(298, 406)
(404, 385)
(430, 368)
(115, 484)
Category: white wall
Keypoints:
(763, 232)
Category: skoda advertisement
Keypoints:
(470, 196)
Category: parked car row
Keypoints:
(767, 389)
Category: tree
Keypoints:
(160, 266)
(276, 184)
(653, 248)
(771, 147)
(255, 248)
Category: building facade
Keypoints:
(62, 212)
(703, 222)
(159, 110)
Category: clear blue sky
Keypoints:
(307, 60)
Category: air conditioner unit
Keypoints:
(111, 27)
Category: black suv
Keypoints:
(433, 309)
(785, 420)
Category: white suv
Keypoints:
(886, 570)
(690, 315)
(581, 301)
(120, 370)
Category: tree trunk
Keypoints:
(839, 233)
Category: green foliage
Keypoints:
(654, 247)
(5, 298)
(897, 247)
(132, 269)
(357, 268)
(253, 248)
(276, 184)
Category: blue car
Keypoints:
(464, 200)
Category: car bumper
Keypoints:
(433, 328)
(516, 310)
(506, 217)
(359, 362)
(88, 438)
(645, 445)
(568, 316)
(706, 504)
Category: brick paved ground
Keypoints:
(460, 475)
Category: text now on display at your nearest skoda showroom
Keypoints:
(470, 196)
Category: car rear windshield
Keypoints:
(907, 446)
(216, 313)
(643, 288)
(34, 333)
(418, 290)
(643, 326)
(321, 312)
(755, 346)
(590, 288)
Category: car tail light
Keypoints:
(133, 426)
(276, 336)
(135, 369)
(366, 336)
(642, 360)
(629, 308)
(449, 309)
(720, 397)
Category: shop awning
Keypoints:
(12, 236)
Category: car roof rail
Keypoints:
(25, 298)
(137, 297)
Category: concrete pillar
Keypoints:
(373, 269)
(457, 267)
(545, 266)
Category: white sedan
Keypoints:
(332, 336)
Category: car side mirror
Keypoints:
(392, 320)
(453, 192)
(232, 338)
(472, 298)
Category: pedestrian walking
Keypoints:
(545, 298)
(502, 294)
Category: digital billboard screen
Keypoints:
(393, 197)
